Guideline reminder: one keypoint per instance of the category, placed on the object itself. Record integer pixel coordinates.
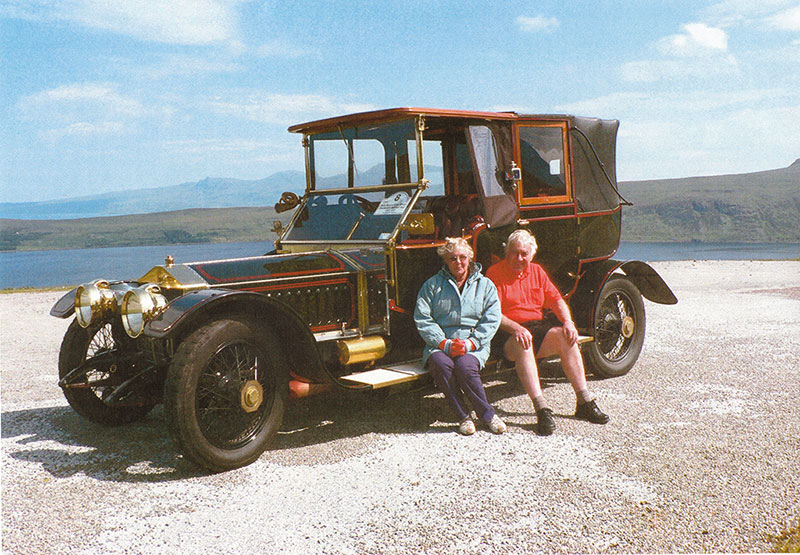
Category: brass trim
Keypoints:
(627, 328)
(361, 349)
(174, 277)
(251, 396)
(419, 224)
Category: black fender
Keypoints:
(65, 306)
(594, 275)
(196, 308)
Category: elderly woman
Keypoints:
(457, 314)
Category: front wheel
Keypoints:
(225, 394)
(94, 366)
(619, 326)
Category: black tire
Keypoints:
(112, 367)
(215, 375)
(619, 327)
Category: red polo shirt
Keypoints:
(523, 296)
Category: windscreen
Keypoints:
(362, 216)
(377, 154)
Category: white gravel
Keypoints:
(701, 454)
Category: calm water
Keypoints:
(72, 267)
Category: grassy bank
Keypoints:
(211, 225)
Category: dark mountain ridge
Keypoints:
(752, 207)
(749, 207)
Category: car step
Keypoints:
(388, 375)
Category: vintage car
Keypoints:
(225, 344)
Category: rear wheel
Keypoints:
(92, 365)
(225, 394)
(619, 326)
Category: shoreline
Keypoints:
(67, 287)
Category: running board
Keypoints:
(389, 375)
(401, 373)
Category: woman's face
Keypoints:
(458, 263)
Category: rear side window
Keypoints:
(542, 160)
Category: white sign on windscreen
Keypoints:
(393, 205)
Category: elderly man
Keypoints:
(525, 290)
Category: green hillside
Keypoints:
(749, 208)
(213, 225)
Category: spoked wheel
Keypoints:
(619, 326)
(225, 394)
(92, 365)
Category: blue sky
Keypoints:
(101, 95)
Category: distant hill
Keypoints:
(754, 207)
(747, 208)
(211, 192)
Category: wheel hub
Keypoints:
(627, 327)
(252, 395)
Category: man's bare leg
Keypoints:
(556, 342)
(528, 374)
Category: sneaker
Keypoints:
(467, 427)
(496, 425)
(589, 411)
(544, 422)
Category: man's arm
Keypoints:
(561, 310)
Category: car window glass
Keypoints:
(382, 154)
(432, 166)
(542, 160)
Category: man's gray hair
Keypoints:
(524, 238)
(452, 244)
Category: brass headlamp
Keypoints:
(139, 306)
(93, 301)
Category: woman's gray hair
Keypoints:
(523, 237)
(452, 244)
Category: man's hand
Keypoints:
(571, 331)
(523, 336)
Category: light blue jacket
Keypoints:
(444, 312)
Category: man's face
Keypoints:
(518, 256)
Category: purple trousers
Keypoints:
(454, 376)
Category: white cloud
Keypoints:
(283, 109)
(201, 146)
(635, 104)
(176, 22)
(743, 12)
(699, 52)
(649, 71)
(702, 133)
(81, 110)
(84, 129)
(788, 20)
(82, 96)
(696, 40)
(276, 49)
(181, 65)
(536, 24)
(188, 22)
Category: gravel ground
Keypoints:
(701, 454)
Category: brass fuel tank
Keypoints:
(361, 349)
